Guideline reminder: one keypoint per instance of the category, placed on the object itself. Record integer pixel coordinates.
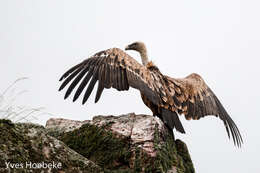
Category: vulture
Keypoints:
(166, 97)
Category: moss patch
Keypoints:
(100, 146)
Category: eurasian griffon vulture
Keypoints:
(165, 96)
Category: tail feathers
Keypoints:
(171, 119)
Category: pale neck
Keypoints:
(144, 57)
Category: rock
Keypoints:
(27, 147)
(109, 144)
(125, 143)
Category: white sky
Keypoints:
(220, 40)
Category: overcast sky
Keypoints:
(220, 40)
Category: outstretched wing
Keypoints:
(193, 98)
(111, 68)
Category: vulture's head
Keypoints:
(137, 46)
(140, 47)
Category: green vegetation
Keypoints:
(100, 146)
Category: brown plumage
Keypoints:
(165, 96)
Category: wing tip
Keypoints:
(84, 101)
(66, 96)
(74, 99)
(61, 78)
(236, 135)
(60, 89)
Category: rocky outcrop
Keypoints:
(126, 143)
(110, 144)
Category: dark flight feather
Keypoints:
(90, 88)
(70, 71)
(172, 120)
(67, 80)
(75, 82)
(100, 83)
(83, 84)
